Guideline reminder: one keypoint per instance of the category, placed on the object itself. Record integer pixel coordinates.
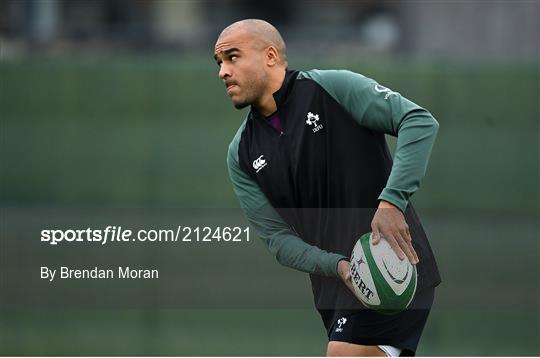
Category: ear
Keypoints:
(272, 56)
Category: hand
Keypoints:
(344, 272)
(390, 223)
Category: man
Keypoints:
(312, 171)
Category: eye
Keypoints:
(233, 58)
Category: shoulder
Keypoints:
(343, 85)
(333, 76)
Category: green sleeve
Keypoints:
(282, 242)
(382, 110)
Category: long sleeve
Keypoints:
(383, 110)
(281, 241)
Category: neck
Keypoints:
(266, 105)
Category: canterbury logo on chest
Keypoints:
(259, 163)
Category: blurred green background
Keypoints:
(153, 132)
(102, 129)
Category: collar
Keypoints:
(281, 95)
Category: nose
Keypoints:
(224, 71)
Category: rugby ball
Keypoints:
(381, 281)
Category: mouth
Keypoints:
(231, 87)
(229, 83)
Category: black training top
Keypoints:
(311, 190)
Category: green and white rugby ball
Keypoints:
(381, 281)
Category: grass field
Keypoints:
(153, 133)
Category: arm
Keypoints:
(382, 110)
(281, 241)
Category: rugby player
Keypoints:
(312, 171)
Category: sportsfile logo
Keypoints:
(388, 91)
(340, 323)
(312, 119)
(259, 163)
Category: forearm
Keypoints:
(416, 135)
(288, 249)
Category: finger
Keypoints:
(411, 247)
(347, 276)
(408, 234)
(344, 269)
(376, 237)
(414, 253)
(395, 246)
(404, 245)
